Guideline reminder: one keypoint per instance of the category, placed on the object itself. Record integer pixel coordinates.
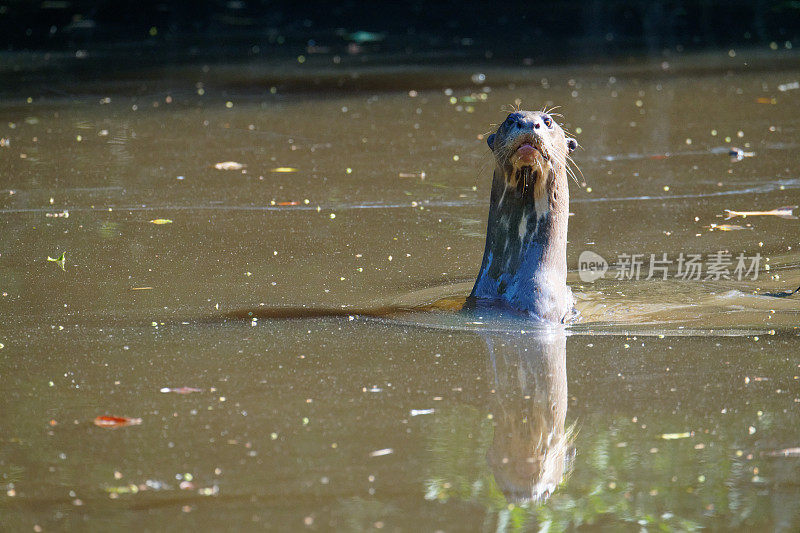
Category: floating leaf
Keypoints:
(59, 260)
(180, 390)
(229, 165)
(420, 175)
(123, 489)
(161, 221)
(729, 227)
(288, 203)
(725, 227)
(786, 452)
(113, 422)
(284, 169)
(782, 212)
(675, 436)
(378, 453)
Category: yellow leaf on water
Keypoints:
(674, 436)
(284, 169)
(60, 260)
(123, 489)
(161, 221)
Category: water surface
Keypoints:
(672, 403)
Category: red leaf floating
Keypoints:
(112, 422)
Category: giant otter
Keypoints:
(524, 263)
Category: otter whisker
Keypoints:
(570, 167)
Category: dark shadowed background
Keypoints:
(512, 31)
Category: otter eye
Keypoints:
(510, 120)
(547, 121)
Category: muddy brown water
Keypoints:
(672, 403)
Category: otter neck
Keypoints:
(525, 258)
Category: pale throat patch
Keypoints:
(541, 196)
(541, 199)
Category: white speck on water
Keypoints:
(378, 453)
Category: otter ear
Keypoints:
(572, 144)
(490, 141)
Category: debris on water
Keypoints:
(782, 212)
(114, 492)
(184, 483)
(384, 451)
(287, 203)
(726, 227)
(161, 221)
(5, 142)
(122, 489)
(113, 422)
(478, 77)
(675, 436)
(208, 491)
(141, 288)
(766, 100)
(180, 390)
(361, 37)
(59, 260)
(782, 294)
(229, 165)
(786, 452)
(420, 175)
(283, 169)
(417, 412)
(783, 87)
(62, 214)
(737, 154)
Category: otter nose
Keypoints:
(528, 123)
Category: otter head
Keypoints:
(531, 152)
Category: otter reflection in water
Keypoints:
(531, 448)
